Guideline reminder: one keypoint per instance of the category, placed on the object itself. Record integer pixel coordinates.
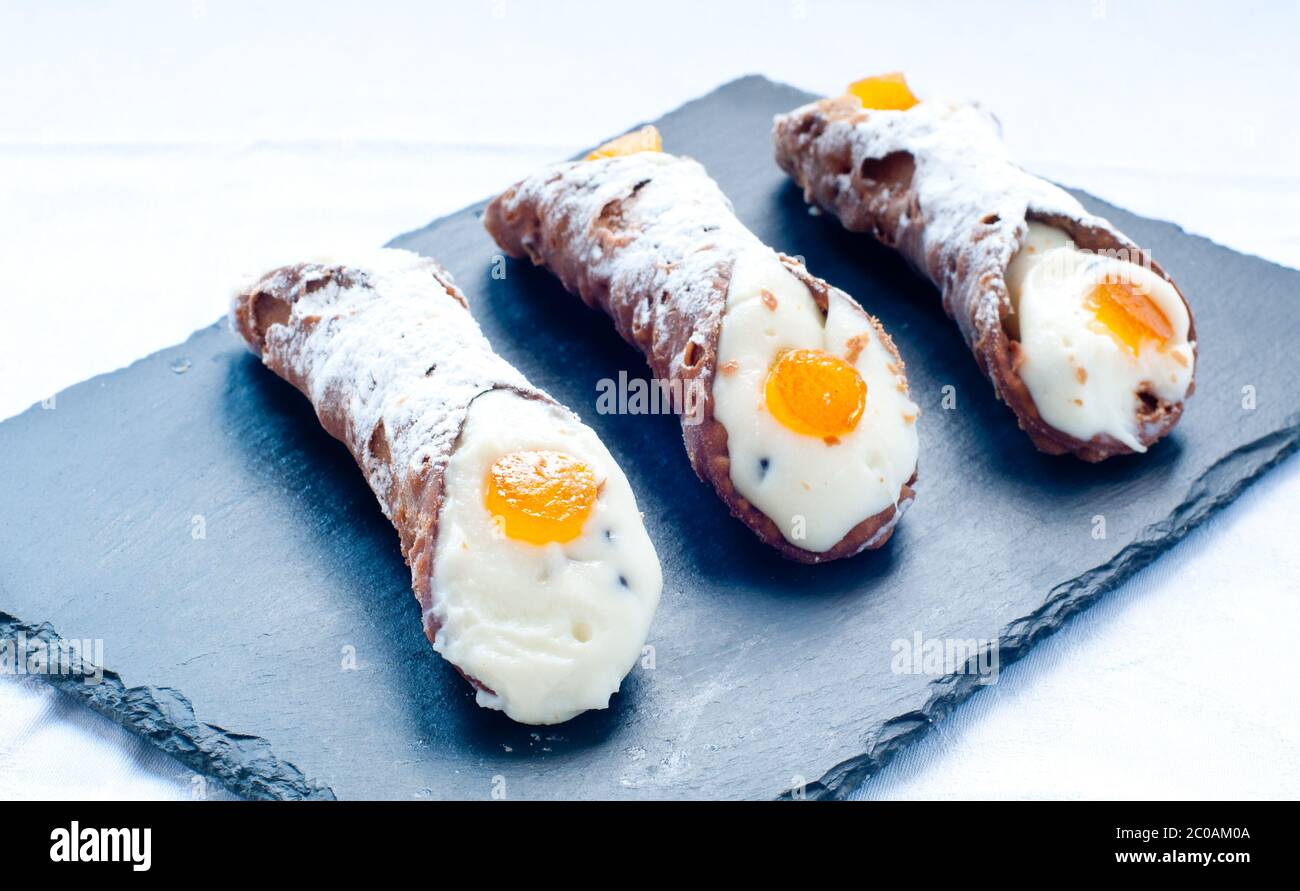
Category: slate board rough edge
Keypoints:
(1247, 464)
(243, 764)
(247, 765)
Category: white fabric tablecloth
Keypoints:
(154, 154)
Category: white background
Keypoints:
(154, 154)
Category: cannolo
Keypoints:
(528, 557)
(802, 419)
(1083, 335)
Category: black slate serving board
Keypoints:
(767, 673)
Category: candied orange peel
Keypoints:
(1130, 317)
(644, 140)
(884, 92)
(540, 495)
(815, 393)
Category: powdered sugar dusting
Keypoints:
(384, 335)
(686, 238)
(650, 239)
(966, 183)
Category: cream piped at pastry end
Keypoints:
(1089, 369)
(1097, 334)
(550, 628)
(816, 484)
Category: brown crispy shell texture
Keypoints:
(413, 496)
(879, 197)
(677, 332)
(417, 496)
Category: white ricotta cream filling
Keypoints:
(550, 629)
(815, 492)
(1083, 381)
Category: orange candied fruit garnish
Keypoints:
(644, 140)
(885, 92)
(814, 393)
(1129, 316)
(541, 495)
